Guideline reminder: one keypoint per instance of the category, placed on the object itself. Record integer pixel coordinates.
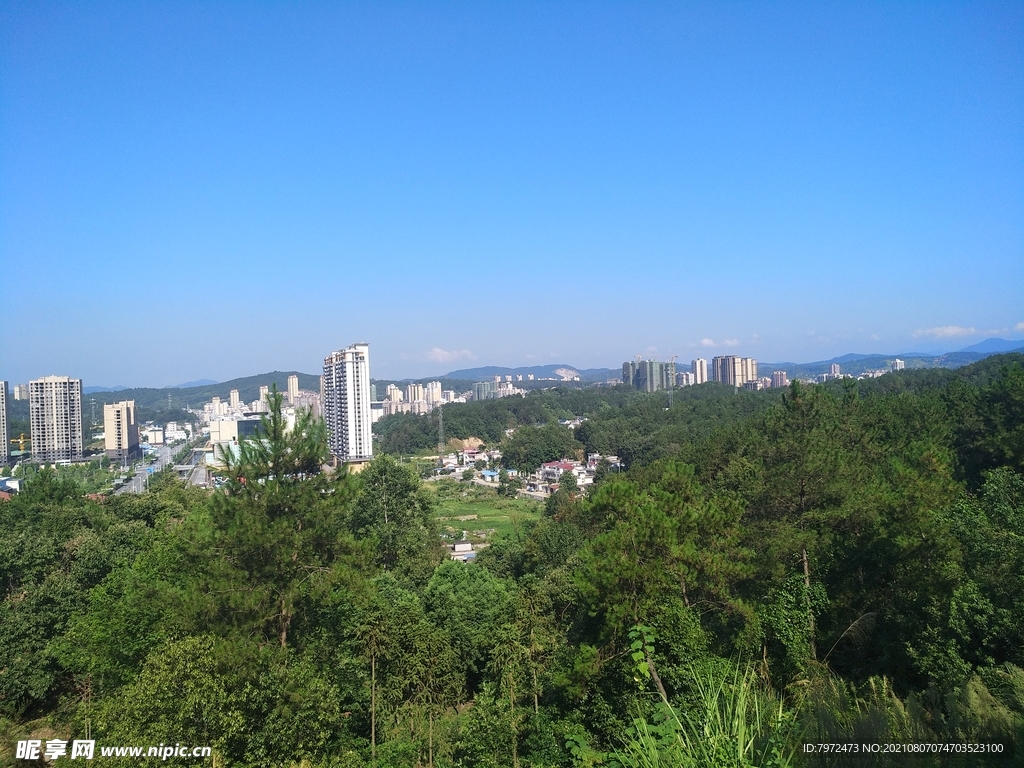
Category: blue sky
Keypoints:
(211, 190)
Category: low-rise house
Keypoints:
(462, 551)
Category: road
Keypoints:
(137, 484)
(200, 475)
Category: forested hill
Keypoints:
(634, 425)
(827, 564)
(248, 390)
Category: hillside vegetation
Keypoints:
(821, 564)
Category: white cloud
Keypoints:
(945, 331)
(1019, 327)
(707, 343)
(439, 355)
(875, 337)
(731, 342)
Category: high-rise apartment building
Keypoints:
(264, 393)
(780, 379)
(484, 390)
(55, 418)
(414, 392)
(5, 449)
(649, 375)
(393, 393)
(834, 369)
(346, 403)
(897, 364)
(233, 398)
(699, 369)
(432, 392)
(120, 430)
(733, 370)
(293, 388)
(21, 391)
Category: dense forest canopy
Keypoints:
(831, 562)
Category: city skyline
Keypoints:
(702, 352)
(511, 185)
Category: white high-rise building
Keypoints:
(55, 416)
(898, 365)
(414, 392)
(699, 368)
(5, 449)
(432, 392)
(293, 388)
(234, 398)
(733, 370)
(346, 403)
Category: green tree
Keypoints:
(277, 529)
(508, 486)
(396, 514)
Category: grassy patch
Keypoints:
(479, 511)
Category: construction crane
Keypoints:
(20, 441)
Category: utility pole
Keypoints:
(440, 435)
(672, 380)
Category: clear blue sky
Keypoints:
(210, 190)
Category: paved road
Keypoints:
(200, 475)
(137, 484)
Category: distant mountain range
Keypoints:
(857, 364)
(150, 399)
(193, 393)
(995, 346)
(189, 384)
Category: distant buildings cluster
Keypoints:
(347, 403)
(736, 371)
(416, 398)
(653, 376)
(56, 422)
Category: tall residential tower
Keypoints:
(699, 368)
(55, 416)
(733, 370)
(121, 430)
(346, 403)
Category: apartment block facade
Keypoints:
(121, 430)
(346, 403)
(733, 370)
(55, 418)
(649, 375)
(699, 369)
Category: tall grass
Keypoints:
(736, 722)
